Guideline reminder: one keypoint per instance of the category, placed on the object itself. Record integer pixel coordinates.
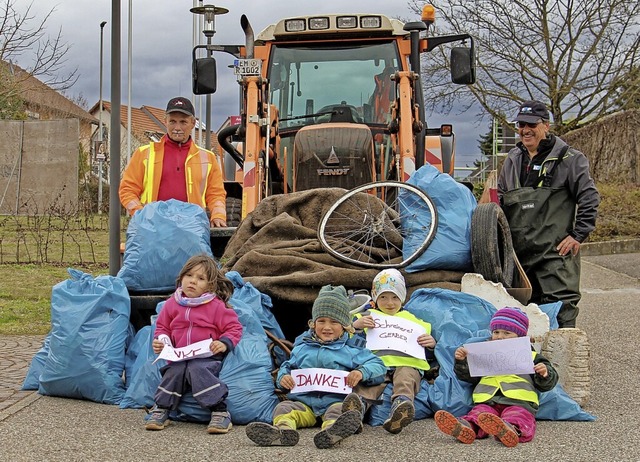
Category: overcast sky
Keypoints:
(162, 40)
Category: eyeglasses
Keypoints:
(527, 124)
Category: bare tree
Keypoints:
(570, 54)
(22, 34)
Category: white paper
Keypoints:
(397, 334)
(318, 379)
(500, 357)
(195, 350)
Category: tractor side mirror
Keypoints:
(204, 76)
(463, 65)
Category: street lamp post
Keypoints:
(209, 12)
(100, 154)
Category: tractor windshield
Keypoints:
(308, 82)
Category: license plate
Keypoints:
(247, 66)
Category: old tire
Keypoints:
(234, 211)
(491, 245)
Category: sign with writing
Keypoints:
(318, 379)
(247, 66)
(500, 357)
(397, 334)
(195, 350)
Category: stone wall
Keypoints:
(38, 166)
(612, 145)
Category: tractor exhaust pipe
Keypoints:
(248, 34)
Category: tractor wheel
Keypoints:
(491, 245)
(234, 211)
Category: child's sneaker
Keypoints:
(158, 419)
(401, 415)
(353, 402)
(220, 423)
(264, 434)
(344, 426)
(494, 425)
(460, 429)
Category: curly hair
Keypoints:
(218, 283)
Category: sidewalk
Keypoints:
(16, 353)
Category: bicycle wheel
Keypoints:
(369, 225)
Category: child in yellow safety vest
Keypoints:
(404, 371)
(505, 405)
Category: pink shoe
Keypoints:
(494, 425)
(458, 428)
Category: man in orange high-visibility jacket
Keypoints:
(175, 168)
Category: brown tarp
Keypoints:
(276, 249)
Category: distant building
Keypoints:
(41, 102)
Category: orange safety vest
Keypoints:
(202, 176)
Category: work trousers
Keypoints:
(405, 380)
(295, 414)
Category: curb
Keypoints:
(610, 247)
(18, 406)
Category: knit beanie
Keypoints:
(332, 302)
(510, 319)
(389, 280)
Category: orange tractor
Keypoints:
(333, 100)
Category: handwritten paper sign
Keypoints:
(397, 334)
(500, 357)
(195, 350)
(318, 379)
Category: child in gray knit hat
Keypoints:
(327, 344)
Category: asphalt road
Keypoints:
(55, 429)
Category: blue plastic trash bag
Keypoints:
(552, 310)
(32, 380)
(160, 239)
(454, 202)
(144, 374)
(89, 330)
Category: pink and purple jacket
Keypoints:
(189, 324)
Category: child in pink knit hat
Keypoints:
(505, 405)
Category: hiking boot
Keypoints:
(158, 419)
(264, 434)
(401, 415)
(460, 429)
(344, 426)
(353, 402)
(495, 426)
(220, 422)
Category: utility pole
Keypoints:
(100, 154)
(209, 12)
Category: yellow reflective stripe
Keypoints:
(512, 386)
(189, 180)
(219, 208)
(149, 162)
(398, 359)
(206, 168)
(393, 358)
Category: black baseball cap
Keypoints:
(532, 112)
(180, 104)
